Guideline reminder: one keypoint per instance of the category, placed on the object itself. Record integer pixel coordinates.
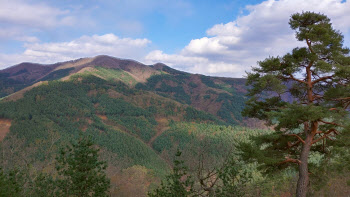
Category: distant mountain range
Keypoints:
(221, 97)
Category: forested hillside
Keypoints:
(139, 116)
(138, 123)
(221, 97)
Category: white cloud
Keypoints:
(16, 34)
(234, 47)
(205, 46)
(228, 49)
(37, 15)
(85, 46)
(193, 64)
(27, 39)
(20, 20)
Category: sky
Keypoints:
(212, 37)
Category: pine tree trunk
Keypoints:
(303, 180)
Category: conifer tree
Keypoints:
(81, 173)
(316, 79)
(178, 183)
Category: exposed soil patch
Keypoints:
(5, 125)
(92, 93)
(103, 117)
(114, 94)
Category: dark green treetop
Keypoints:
(178, 184)
(81, 173)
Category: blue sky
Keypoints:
(218, 38)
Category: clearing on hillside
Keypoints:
(5, 125)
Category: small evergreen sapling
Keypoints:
(178, 183)
(80, 172)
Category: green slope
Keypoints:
(85, 103)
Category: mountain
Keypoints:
(22, 75)
(221, 97)
(139, 115)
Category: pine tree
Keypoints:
(178, 183)
(80, 172)
(316, 79)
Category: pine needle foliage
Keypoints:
(81, 173)
(315, 79)
(178, 184)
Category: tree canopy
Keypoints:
(82, 174)
(304, 94)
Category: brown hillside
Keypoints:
(139, 71)
(19, 94)
(28, 72)
(5, 125)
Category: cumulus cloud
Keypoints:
(85, 46)
(193, 64)
(231, 48)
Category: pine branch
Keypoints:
(331, 123)
(347, 105)
(297, 136)
(293, 78)
(326, 135)
(339, 99)
(322, 79)
(310, 48)
(290, 145)
(290, 160)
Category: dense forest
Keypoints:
(129, 133)
(137, 131)
(110, 127)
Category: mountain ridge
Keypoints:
(215, 95)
